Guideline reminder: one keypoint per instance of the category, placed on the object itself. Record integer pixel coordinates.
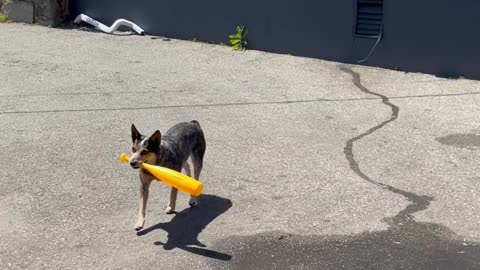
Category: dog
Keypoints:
(180, 143)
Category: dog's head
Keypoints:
(144, 149)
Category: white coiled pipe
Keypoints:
(102, 27)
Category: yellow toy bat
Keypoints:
(171, 178)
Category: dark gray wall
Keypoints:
(432, 36)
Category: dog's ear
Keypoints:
(135, 134)
(156, 137)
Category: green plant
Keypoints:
(3, 18)
(239, 39)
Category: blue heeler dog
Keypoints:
(172, 150)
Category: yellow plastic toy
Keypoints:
(171, 178)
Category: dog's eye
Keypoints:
(134, 150)
(143, 152)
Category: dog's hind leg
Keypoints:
(188, 172)
(173, 201)
(173, 194)
(197, 162)
(186, 168)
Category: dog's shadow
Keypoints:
(185, 226)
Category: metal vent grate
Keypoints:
(369, 18)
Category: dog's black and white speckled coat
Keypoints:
(180, 143)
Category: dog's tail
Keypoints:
(195, 122)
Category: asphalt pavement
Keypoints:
(310, 164)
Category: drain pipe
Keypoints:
(102, 27)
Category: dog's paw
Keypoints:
(169, 210)
(139, 224)
(193, 202)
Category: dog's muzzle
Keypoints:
(135, 163)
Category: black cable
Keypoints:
(380, 35)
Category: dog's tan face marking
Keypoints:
(141, 154)
(144, 155)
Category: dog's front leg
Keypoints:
(173, 200)
(145, 181)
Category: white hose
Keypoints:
(102, 27)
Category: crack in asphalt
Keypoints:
(417, 202)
